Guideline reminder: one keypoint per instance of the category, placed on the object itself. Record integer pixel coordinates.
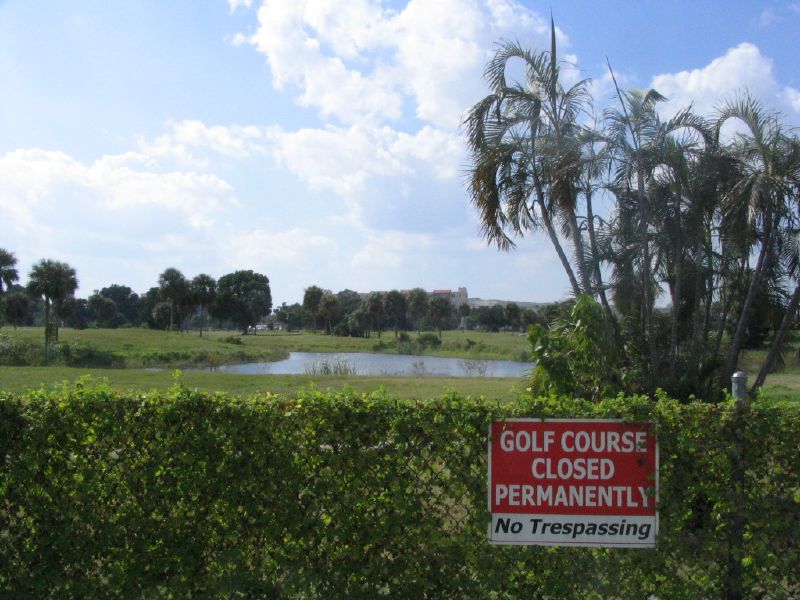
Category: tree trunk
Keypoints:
(599, 288)
(647, 301)
(755, 282)
(678, 290)
(580, 254)
(788, 318)
(548, 224)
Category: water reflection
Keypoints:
(362, 363)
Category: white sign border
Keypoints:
(528, 516)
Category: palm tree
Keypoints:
(375, 309)
(312, 298)
(440, 310)
(204, 290)
(643, 148)
(174, 288)
(55, 282)
(8, 271)
(417, 306)
(329, 310)
(526, 155)
(463, 312)
(765, 196)
(395, 306)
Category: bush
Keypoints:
(338, 495)
(19, 352)
(429, 340)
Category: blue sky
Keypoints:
(315, 141)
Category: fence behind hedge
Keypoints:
(343, 496)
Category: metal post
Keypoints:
(734, 588)
(739, 385)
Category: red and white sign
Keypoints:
(559, 482)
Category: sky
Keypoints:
(317, 141)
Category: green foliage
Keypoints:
(339, 495)
(576, 356)
(429, 340)
(243, 297)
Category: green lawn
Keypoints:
(19, 379)
(142, 347)
(147, 346)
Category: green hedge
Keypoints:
(185, 494)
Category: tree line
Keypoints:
(348, 313)
(701, 218)
(237, 300)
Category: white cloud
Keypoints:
(234, 4)
(741, 68)
(39, 185)
(190, 141)
(358, 61)
(390, 250)
(295, 247)
(343, 160)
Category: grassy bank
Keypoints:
(136, 348)
(146, 347)
(19, 379)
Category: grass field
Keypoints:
(147, 346)
(143, 347)
(19, 379)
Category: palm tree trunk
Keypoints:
(755, 282)
(599, 288)
(580, 253)
(647, 301)
(551, 232)
(678, 290)
(788, 319)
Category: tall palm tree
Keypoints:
(417, 306)
(174, 288)
(204, 290)
(55, 282)
(765, 194)
(642, 147)
(375, 309)
(8, 271)
(526, 155)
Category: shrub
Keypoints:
(339, 495)
(429, 340)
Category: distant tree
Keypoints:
(16, 307)
(358, 323)
(127, 302)
(243, 297)
(329, 310)
(417, 306)
(440, 311)
(375, 310)
(512, 312)
(174, 289)
(8, 270)
(291, 316)
(463, 313)
(76, 313)
(395, 306)
(491, 318)
(144, 307)
(311, 301)
(348, 301)
(204, 291)
(160, 315)
(530, 317)
(54, 282)
(102, 310)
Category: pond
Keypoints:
(362, 363)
